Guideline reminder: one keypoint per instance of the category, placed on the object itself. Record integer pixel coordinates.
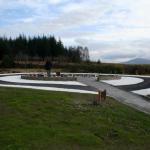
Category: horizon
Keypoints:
(114, 31)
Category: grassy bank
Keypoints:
(90, 67)
(23, 70)
(41, 120)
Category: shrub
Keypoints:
(7, 62)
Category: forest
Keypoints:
(24, 48)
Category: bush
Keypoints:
(7, 62)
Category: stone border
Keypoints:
(108, 77)
(45, 78)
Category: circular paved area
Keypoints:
(72, 86)
(143, 85)
(15, 79)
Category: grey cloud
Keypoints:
(116, 50)
(118, 55)
(73, 15)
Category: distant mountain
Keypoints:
(138, 61)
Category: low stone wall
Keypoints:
(68, 76)
(108, 77)
(45, 78)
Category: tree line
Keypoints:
(39, 48)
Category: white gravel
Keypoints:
(143, 92)
(49, 88)
(18, 79)
(124, 81)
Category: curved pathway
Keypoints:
(125, 97)
(79, 87)
(132, 83)
(143, 85)
(60, 86)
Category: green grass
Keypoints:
(42, 120)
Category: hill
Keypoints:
(138, 61)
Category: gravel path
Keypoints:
(125, 97)
(79, 87)
(63, 86)
(139, 86)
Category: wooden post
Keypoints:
(104, 95)
(99, 97)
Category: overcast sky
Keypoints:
(113, 30)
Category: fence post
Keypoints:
(99, 97)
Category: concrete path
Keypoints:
(125, 97)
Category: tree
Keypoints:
(84, 52)
(41, 48)
(7, 62)
(74, 54)
(98, 61)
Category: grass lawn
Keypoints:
(42, 120)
